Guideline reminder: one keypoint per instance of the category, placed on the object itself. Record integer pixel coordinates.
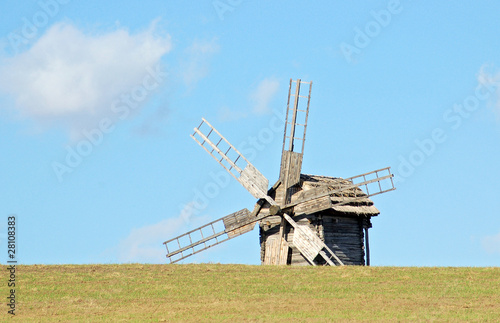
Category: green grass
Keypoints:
(212, 292)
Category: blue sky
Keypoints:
(97, 101)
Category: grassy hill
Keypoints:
(213, 292)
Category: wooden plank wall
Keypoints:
(269, 230)
(344, 235)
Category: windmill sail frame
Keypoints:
(311, 201)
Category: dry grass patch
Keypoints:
(212, 292)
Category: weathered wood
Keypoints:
(340, 234)
(315, 206)
(294, 115)
(284, 250)
(309, 244)
(330, 213)
(319, 192)
(283, 255)
(272, 250)
(249, 176)
(367, 244)
(291, 158)
(344, 236)
(297, 259)
(291, 165)
(236, 219)
(238, 223)
(340, 228)
(241, 230)
(304, 241)
(361, 209)
(254, 181)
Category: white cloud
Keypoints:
(71, 78)
(144, 245)
(195, 64)
(262, 96)
(491, 244)
(260, 99)
(490, 78)
(225, 114)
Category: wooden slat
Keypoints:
(241, 230)
(237, 223)
(320, 192)
(236, 219)
(291, 165)
(305, 240)
(309, 244)
(291, 158)
(314, 206)
(343, 235)
(254, 181)
(284, 250)
(283, 254)
(239, 167)
(272, 250)
(294, 115)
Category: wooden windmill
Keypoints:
(304, 219)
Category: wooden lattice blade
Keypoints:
(309, 244)
(232, 160)
(294, 135)
(213, 233)
(317, 199)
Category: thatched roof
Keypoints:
(362, 206)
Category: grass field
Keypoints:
(213, 292)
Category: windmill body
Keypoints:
(343, 228)
(303, 219)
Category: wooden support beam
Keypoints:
(367, 244)
(284, 248)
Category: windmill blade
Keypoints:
(232, 160)
(292, 153)
(318, 199)
(293, 146)
(310, 245)
(213, 233)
